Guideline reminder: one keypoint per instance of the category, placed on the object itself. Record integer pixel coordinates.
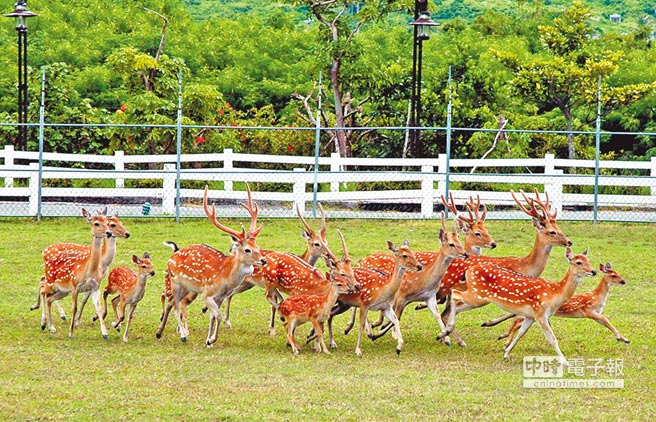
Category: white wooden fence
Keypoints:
(22, 194)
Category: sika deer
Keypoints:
(533, 298)
(299, 309)
(130, 288)
(583, 305)
(70, 272)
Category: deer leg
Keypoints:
(363, 322)
(215, 320)
(551, 338)
(526, 324)
(378, 322)
(318, 328)
(290, 325)
(164, 318)
(274, 297)
(71, 328)
(512, 331)
(120, 313)
(389, 314)
(78, 317)
(493, 322)
(60, 310)
(351, 322)
(128, 322)
(606, 323)
(46, 312)
(242, 287)
(178, 295)
(95, 298)
(431, 304)
(399, 306)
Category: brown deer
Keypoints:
(377, 291)
(583, 305)
(71, 272)
(317, 247)
(204, 271)
(421, 286)
(477, 238)
(130, 287)
(535, 299)
(299, 309)
(548, 235)
(107, 257)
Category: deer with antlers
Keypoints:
(583, 305)
(71, 272)
(208, 273)
(107, 257)
(130, 287)
(534, 299)
(548, 235)
(421, 286)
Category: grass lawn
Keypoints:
(249, 375)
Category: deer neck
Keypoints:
(94, 257)
(438, 267)
(565, 288)
(602, 290)
(536, 261)
(397, 277)
(140, 288)
(310, 259)
(108, 252)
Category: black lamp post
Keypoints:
(21, 14)
(421, 26)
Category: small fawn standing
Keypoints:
(299, 309)
(535, 299)
(583, 305)
(130, 288)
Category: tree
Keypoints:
(566, 76)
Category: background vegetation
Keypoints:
(251, 376)
(250, 63)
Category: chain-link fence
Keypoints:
(46, 184)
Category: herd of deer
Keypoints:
(457, 274)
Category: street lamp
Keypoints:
(421, 26)
(21, 14)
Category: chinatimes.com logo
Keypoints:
(549, 372)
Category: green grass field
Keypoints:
(249, 375)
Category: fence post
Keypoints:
(553, 187)
(228, 166)
(9, 162)
(334, 168)
(549, 163)
(34, 189)
(299, 190)
(653, 174)
(168, 189)
(119, 166)
(426, 191)
(440, 176)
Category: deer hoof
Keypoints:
(105, 337)
(398, 351)
(43, 327)
(184, 339)
(63, 317)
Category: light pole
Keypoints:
(21, 14)
(422, 22)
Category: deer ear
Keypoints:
(135, 259)
(537, 223)
(568, 254)
(585, 252)
(146, 255)
(305, 234)
(442, 235)
(391, 246)
(86, 214)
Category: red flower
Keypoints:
(228, 105)
(243, 137)
(123, 107)
(221, 111)
(289, 148)
(200, 140)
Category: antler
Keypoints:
(211, 214)
(253, 210)
(475, 207)
(307, 226)
(347, 258)
(545, 207)
(533, 212)
(452, 207)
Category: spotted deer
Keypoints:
(421, 286)
(130, 287)
(208, 273)
(70, 272)
(583, 305)
(534, 299)
(377, 291)
(548, 235)
(107, 257)
(315, 308)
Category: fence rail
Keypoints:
(51, 184)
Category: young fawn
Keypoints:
(535, 299)
(130, 287)
(299, 309)
(583, 305)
